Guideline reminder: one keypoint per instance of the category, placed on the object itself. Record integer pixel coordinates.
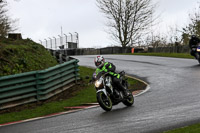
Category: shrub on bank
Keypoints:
(18, 56)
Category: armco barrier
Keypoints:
(37, 85)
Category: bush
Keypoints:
(18, 56)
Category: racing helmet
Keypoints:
(99, 61)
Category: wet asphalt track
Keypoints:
(172, 101)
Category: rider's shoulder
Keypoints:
(109, 62)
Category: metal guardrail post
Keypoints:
(60, 58)
(76, 71)
(37, 86)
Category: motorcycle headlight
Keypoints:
(99, 84)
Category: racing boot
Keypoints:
(126, 93)
(121, 87)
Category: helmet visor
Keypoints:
(97, 63)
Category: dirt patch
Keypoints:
(138, 86)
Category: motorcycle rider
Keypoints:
(194, 41)
(103, 66)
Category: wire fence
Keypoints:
(61, 42)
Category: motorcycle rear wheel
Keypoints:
(129, 100)
(104, 101)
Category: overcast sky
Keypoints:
(40, 19)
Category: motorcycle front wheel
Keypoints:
(104, 101)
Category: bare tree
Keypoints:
(6, 23)
(128, 19)
(193, 28)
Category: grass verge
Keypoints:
(189, 129)
(174, 55)
(80, 94)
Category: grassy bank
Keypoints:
(189, 129)
(82, 93)
(174, 55)
(18, 56)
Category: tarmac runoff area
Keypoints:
(79, 108)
